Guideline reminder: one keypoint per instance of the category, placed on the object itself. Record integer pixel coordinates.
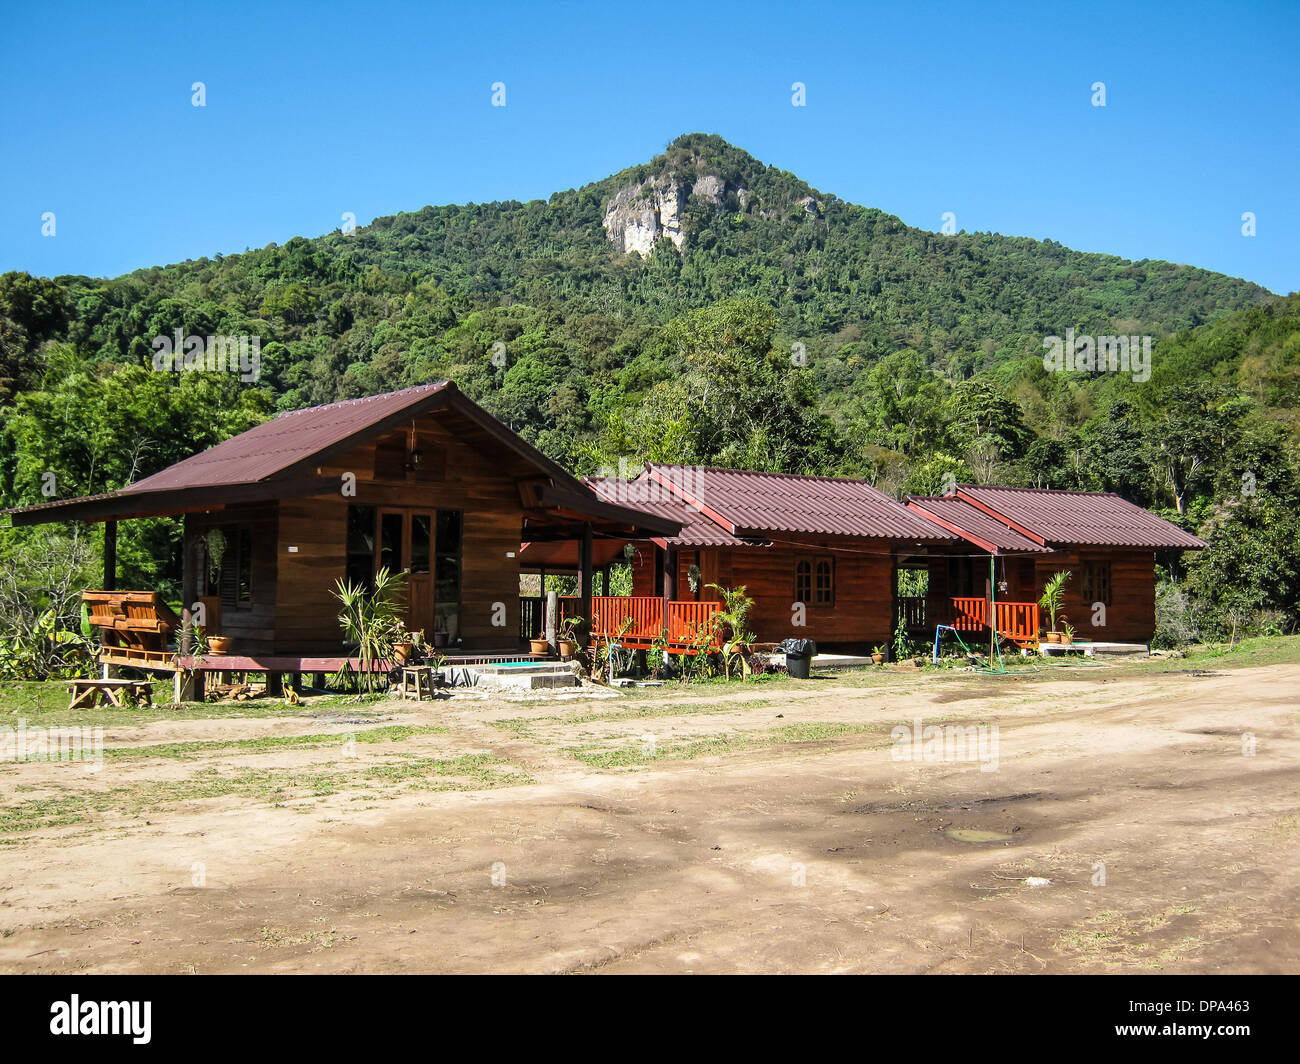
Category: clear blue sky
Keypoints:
(982, 109)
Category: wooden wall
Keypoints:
(860, 617)
(1131, 617)
(460, 471)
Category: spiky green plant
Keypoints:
(729, 623)
(1054, 596)
(371, 619)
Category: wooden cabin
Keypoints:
(817, 554)
(1107, 544)
(421, 480)
(836, 561)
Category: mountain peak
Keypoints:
(700, 171)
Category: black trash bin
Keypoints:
(798, 656)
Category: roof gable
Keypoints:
(291, 438)
(1083, 518)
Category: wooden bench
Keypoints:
(120, 693)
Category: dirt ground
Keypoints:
(770, 828)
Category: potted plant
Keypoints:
(568, 637)
(539, 645)
(1067, 632)
(404, 644)
(878, 655)
(1051, 601)
(220, 644)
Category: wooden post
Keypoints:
(552, 617)
(274, 685)
(110, 555)
(585, 577)
(993, 611)
(189, 589)
(604, 581)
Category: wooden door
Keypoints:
(419, 569)
(404, 544)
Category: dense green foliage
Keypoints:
(793, 331)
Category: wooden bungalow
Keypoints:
(421, 480)
(817, 554)
(839, 562)
(1107, 544)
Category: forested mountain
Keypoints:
(702, 307)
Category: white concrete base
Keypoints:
(1092, 649)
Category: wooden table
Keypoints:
(116, 692)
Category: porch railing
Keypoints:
(686, 621)
(911, 608)
(1018, 621)
(532, 613)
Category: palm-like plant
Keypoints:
(371, 620)
(732, 619)
(1053, 596)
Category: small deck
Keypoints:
(1016, 621)
(635, 622)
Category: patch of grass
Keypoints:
(46, 703)
(189, 750)
(36, 813)
(644, 753)
(276, 787)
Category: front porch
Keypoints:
(1016, 621)
(636, 622)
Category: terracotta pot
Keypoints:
(567, 648)
(1053, 637)
(1066, 640)
(220, 644)
(878, 659)
(539, 646)
(402, 652)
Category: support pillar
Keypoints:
(584, 577)
(552, 619)
(110, 555)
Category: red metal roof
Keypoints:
(977, 526)
(286, 439)
(650, 496)
(768, 504)
(1086, 518)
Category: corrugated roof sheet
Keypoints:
(277, 444)
(768, 504)
(1087, 518)
(650, 497)
(963, 515)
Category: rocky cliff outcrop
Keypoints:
(641, 215)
